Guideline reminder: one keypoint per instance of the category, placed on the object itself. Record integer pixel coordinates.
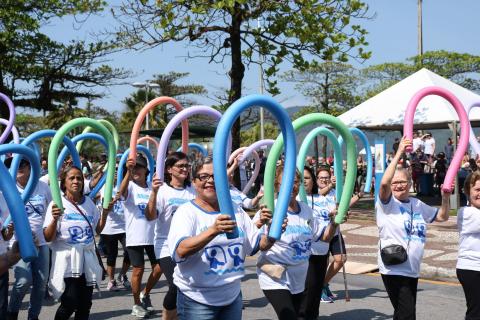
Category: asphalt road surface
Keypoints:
(435, 300)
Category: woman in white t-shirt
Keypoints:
(402, 220)
(282, 270)
(175, 192)
(468, 263)
(75, 268)
(209, 265)
(326, 199)
(139, 228)
(318, 261)
(35, 273)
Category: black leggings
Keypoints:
(285, 304)
(111, 246)
(168, 265)
(317, 267)
(470, 281)
(402, 292)
(77, 298)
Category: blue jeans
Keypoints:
(28, 274)
(188, 309)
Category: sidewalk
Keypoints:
(440, 256)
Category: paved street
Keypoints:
(368, 300)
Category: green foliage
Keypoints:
(332, 87)
(290, 31)
(27, 124)
(460, 68)
(44, 74)
(159, 117)
(252, 134)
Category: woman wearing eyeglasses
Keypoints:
(176, 191)
(402, 224)
(209, 265)
(324, 203)
(318, 261)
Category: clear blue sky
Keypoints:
(447, 25)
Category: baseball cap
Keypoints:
(141, 161)
(8, 162)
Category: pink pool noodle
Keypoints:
(141, 117)
(464, 126)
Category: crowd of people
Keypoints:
(176, 223)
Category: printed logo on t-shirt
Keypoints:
(218, 259)
(176, 202)
(141, 207)
(118, 207)
(79, 233)
(301, 249)
(35, 206)
(417, 231)
(297, 229)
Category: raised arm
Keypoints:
(123, 191)
(151, 210)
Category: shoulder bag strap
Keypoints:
(86, 219)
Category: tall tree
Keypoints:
(40, 73)
(293, 31)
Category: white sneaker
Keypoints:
(146, 303)
(139, 312)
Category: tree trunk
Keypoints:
(236, 74)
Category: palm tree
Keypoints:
(160, 116)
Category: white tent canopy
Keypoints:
(387, 109)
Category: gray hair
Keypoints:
(404, 171)
(198, 165)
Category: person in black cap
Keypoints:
(139, 228)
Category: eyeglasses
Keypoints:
(399, 183)
(204, 177)
(324, 178)
(182, 166)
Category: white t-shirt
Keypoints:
(4, 213)
(417, 143)
(72, 228)
(168, 201)
(429, 146)
(292, 251)
(139, 231)
(322, 205)
(86, 186)
(468, 224)
(36, 207)
(240, 199)
(394, 221)
(115, 222)
(212, 275)
(45, 179)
